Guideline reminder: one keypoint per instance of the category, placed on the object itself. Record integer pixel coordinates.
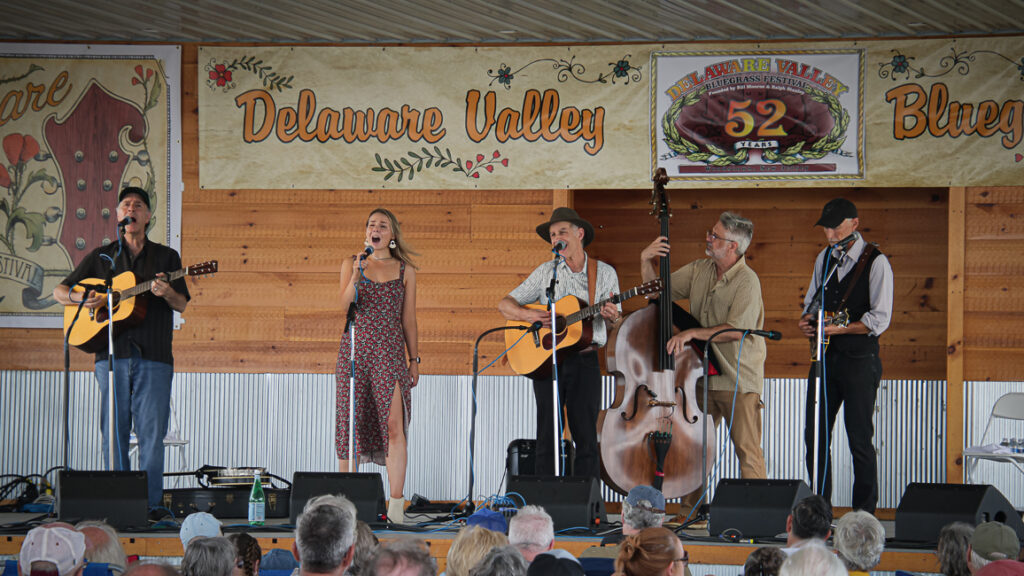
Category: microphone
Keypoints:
(767, 334)
(559, 246)
(840, 247)
(535, 327)
(126, 221)
(367, 252)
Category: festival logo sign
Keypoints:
(758, 115)
(77, 124)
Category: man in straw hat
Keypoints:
(579, 376)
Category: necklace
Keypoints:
(379, 259)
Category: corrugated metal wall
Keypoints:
(285, 422)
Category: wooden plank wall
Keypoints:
(993, 310)
(909, 225)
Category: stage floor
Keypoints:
(164, 543)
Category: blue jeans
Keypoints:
(142, 393)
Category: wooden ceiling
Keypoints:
(500, 21)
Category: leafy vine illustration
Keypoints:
(570, 69)
(413, 163)
(152, 88)
(16, 178)
(902, 65)
(221, 74)
(31, 68)
(714, 156)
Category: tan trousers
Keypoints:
(745, 436)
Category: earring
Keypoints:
(392, 244)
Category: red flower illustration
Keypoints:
(20, 148)
(496, 154)
(220, 74)
(504, 161)
(5, 178)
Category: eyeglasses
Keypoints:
(685, 559)
(711, 234)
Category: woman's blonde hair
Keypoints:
(649, 551)
(402, 250)
(470, 546)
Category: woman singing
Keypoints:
(383, 287)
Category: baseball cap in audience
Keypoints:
(555, 562)
(995, 541)
(61, 547)
(199, 524)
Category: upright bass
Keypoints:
(652, 433)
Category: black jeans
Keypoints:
(851, 382)
(579, 391)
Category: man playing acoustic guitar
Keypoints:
(862, 289)
(144, 366)
(579, 375)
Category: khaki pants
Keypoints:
(745, 436)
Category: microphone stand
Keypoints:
(66, 447)
(470, 506)
(556, 408)
(108, 282)
(819, 360)
(704, 431)
(350, 327)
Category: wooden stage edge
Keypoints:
(168, 545)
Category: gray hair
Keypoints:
(110, 551)
(366, 547)
(859, 539)
(812, 559)
(740, 229)
(208, 557)
(642, 516)
(324, 533)
(977, 561)
(151, 569)
(952, 548)
(531, 529)
(407, 553)
(501, 561)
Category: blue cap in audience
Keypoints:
(490, 519)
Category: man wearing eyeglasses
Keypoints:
(724, 293)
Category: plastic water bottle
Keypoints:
(257, 502)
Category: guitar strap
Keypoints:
(862, 263)
(591, 279)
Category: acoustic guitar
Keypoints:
(90, 330)
(574, 325)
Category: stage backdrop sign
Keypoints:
(879, 113)
(78, 123)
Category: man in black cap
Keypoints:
(579, 376)
(862, 287)
(144, 366)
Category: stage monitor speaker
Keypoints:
(119, 497)
(521, 457)
(754, 508)
(572, 501)
(926, 508)
(364, 489)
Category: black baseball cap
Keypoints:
(835, 212)
(138, 192)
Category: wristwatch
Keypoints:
(416, 360)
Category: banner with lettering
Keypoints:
(78, 123)
(878, 113)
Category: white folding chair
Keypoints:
(1010, 406)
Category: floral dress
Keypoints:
(380, 364)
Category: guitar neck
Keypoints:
(144, 287)
(595, 310)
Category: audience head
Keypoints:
(859, 541)
(409, 557)
(208, 557)
(814, 559)
(198, 524)
(102, 545)
(501, 561)
(247, 554)
(366, 547)
(953, 545)
(765, 561)
(990, 542)
(469, 547)
(555, 562)
(52, 551)
(151, 569)
(810, 518)
(325, 534)
(644, 507)
(531, 531)
(651, 551)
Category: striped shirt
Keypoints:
(534, 288)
